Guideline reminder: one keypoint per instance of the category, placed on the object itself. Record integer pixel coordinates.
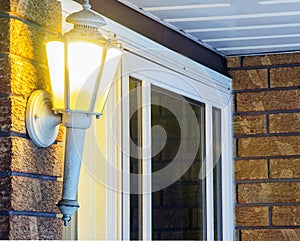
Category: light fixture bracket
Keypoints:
(41, 123)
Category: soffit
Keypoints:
(231, 27)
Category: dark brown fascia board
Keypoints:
(159, 33)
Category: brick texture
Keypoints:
(284, 122)
(249, 124)
(269, 192)
(233, 62)
(267, 146)
(35, 228)
(27, 174)
(285, 77)
(285, 168)
(270, 235)
(286, 215)
(249, 79)
(269, 100)
(251, 169)
(271, 60)
(33, 194)
(252, 216)
(44, 12)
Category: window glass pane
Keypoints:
(135, 159)
(177, 147)
(217, 174)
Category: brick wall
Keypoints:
(28, 175)
(267, 146)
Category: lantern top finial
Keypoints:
(86, 17)
(86, 5)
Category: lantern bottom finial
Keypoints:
(67, 208)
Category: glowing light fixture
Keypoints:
(82, 66)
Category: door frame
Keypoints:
(211, 95)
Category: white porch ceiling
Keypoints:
(232, 27)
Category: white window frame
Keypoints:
(150, 73)
(153, 64)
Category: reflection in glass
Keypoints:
(177, 210)
(135, 159)
(217, 174)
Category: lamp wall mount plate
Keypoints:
(41, 123)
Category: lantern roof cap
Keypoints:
(86, 17)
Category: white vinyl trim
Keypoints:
(125, 211)
(146, 157)
(227, 173)
(209, 172)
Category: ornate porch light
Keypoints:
(82, 65)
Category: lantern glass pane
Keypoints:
(84, 62)
(112, 61)
(55, 55)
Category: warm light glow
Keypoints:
(55, 54)
(84, 62)
(111, 64)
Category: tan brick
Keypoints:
(23, 40)
(29, 158)
(233, 62)
(284, 122)
(285, 77)
(269, 192)
(44, 12)
(272, 100)
(5, 154)
(249, 124)
(4, 224)
(5, 73)
(252, 216)
(270, 235)
(286, 215)
(273, 59)
(27, 76)
(35, 228)
(5, 5)
(27, 41)
(248, 79)
(250, 169)
(5, 114)
(269, 146)
(5, 196)
(18, 109)
(285, 168)
(21, 79)
(21, 155)
(32, 194)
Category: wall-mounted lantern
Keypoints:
(82, 66)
